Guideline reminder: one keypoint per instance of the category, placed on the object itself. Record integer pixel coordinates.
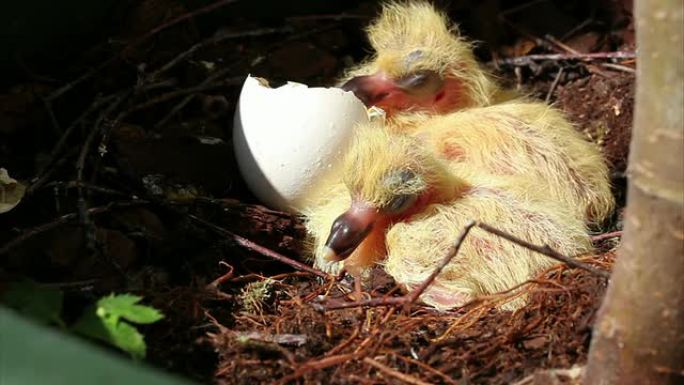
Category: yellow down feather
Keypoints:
(412, 36)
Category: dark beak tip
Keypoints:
(357, 87)
(346, 234)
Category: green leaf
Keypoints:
(91, 325)
(125, 306)
(40, 303)
(106, 322)
(128, 338)
(34, 354)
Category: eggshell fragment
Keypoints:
(290, 140)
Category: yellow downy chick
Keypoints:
(532, 141)
(421, 64)
(403, 206)
(427, 79)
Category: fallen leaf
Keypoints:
(11, 192)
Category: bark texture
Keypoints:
(639, 335)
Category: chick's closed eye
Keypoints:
(421, 83)
(400, 203)
(421, 63)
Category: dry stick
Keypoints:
(427, 367)
(80, 166)
(224, 71)
(317, 365)
(562, 45)
(47, 172)
(578, 27)
(178, 19)
(413, 296)
(344, 343)
(217, 38)
(173, 94)
(180, 105)
(41, 177)
(545, 250)
(69, 86)
(573, 51)
(244, 242)
(525, 60)
(554, 85)
(394, 373)
(600, 237)
(372, 302)
(64, 219)
(520, 7)
(619, 67)
(87, 186)
(51, 114)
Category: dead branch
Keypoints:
(411, 298)
(394, 373)
(427, 367)
(601, 237)
(545, 250)
(527, 59)
(215, 39)
(246, 243)
(28, 234)
(80, 166)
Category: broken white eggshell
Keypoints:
(289, 140)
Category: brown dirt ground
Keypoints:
(232, 315)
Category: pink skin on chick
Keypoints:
(421, 91)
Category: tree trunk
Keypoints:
(639, 335)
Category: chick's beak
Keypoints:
(349, 230)
(371, 89)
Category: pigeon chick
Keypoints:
(402, 205)
(421, 64)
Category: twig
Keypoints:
(176, 20)
(619, 67)
(52, 159)
(333, 17)
(80, 166)
(69, 86)
(525, 60)
(219, 73)
(87, 186)
(372, 302)
(554, 85)
(520, 7)
(344, 343)
(188, 99)
(260, 249)
(427, 367)
(317, 365)
(601, 237)
(562, 45)
(215, 39)
(394, 373)
(413, 296)
(64, 219)
(545, 250)
(223, 278)
(47, 172)
(580, 26)
(173, 94)
(51, 114)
